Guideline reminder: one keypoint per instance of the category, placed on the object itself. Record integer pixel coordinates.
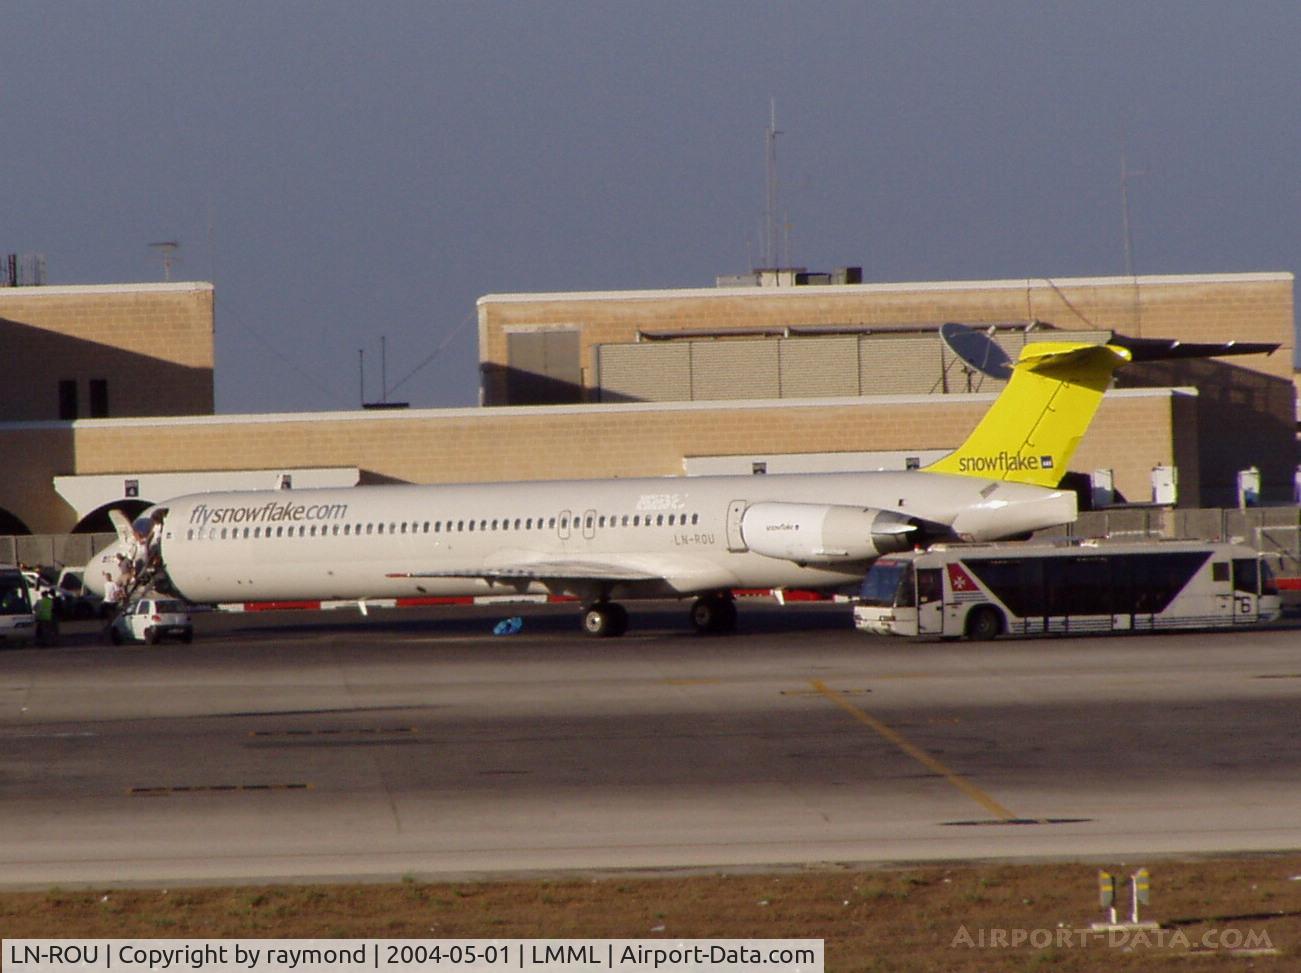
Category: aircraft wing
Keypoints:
(682, 572)
(569, 569)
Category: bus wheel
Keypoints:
(984, 624)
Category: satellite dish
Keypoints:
(977, 350)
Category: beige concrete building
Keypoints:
(520, 443)
(866, 339)
(106, 351)
(1207, 421)
(549, 347)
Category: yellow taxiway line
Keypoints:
(916, 752)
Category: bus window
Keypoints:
(906, 594)
(1088, 586)
(1244, 575)
(930, 586)
(1267, 583)
(1017, 582)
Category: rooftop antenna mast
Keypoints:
(168, 249)
(770, 222)
(1125, 173)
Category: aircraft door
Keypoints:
(735, 540)
(930, 602)
(562, 525)
(589, 524)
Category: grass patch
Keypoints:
(878, 919)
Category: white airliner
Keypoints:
(603, 541)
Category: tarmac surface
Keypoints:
(414, 743)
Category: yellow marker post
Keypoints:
(1140, 887)
(1142, 892)
(1107, 893)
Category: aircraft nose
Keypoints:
(93, 579)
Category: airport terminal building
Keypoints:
(109, 396)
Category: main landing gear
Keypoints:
(714, 614)
(605, 619)
(710, 615)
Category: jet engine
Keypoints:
(823, 533)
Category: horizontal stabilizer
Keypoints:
(1040, 354)
(1164, 349)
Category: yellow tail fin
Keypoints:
(1030, 432)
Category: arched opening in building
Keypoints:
(9, 524)
(97, 522)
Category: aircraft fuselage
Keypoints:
(638, 537)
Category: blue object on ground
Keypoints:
(508, 626)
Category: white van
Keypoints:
(17, 620)
(72, 599)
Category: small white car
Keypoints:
(152, 620)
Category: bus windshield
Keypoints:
(13, 594)
(888, 583)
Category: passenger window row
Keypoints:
(566, 521)
(301, 530)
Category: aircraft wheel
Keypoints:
(605, 620)
(984, 624)
(713, 614)
(618, 620)
(727, 615)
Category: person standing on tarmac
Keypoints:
(47, 625)
(112, 595)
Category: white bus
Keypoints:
(17, 620)
(981, 591)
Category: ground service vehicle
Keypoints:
(74, 600)
(981, 591)
(152, 620)
(17, 620)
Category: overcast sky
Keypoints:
(347, 171)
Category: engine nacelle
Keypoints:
(821, 533)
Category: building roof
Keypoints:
(889, 288)
(73, 290)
